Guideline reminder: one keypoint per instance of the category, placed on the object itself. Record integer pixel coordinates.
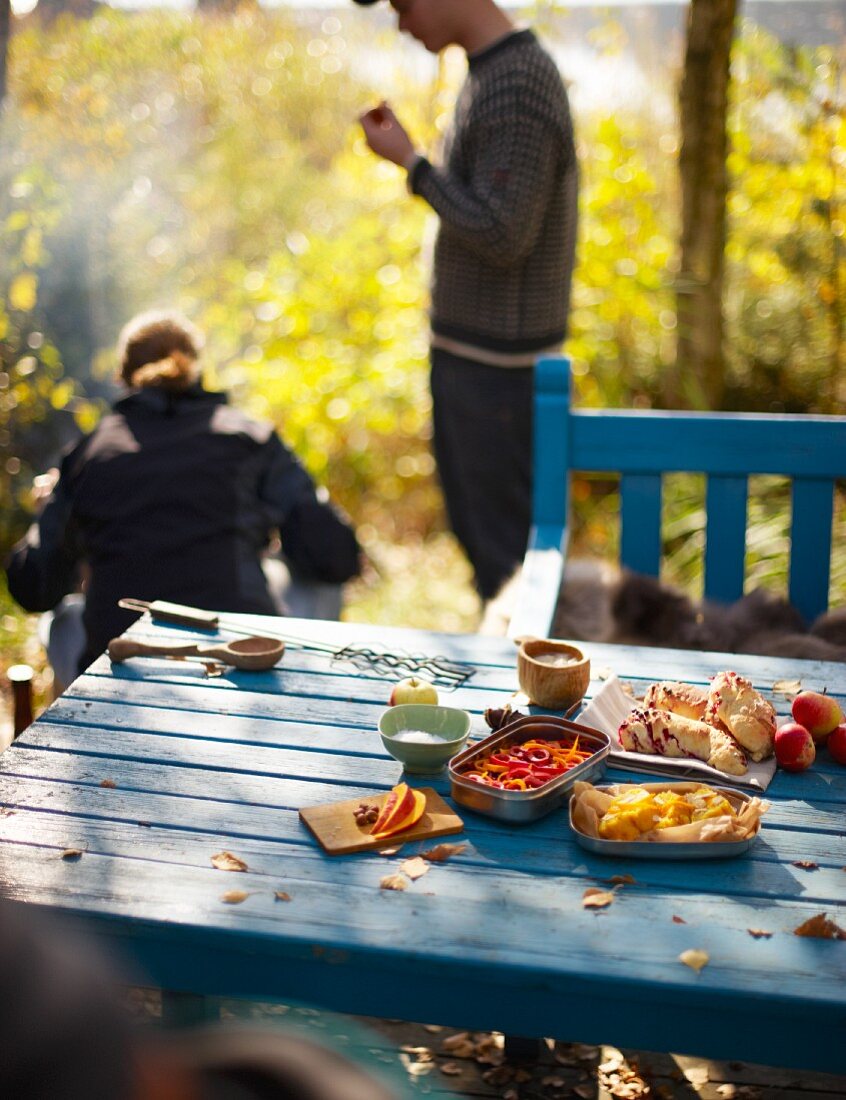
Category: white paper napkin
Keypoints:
(609, 707)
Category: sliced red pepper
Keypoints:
(539, 756)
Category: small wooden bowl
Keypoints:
(551, 685)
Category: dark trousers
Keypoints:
(482, 420)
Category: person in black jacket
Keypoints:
(175, 496)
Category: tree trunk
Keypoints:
(5, 31)
(703, 107)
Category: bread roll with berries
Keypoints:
(662, 733)
(683, 699)
(744, 712)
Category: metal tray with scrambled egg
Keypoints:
(665, 820)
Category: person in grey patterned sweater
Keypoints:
(506, 196)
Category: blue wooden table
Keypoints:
(150, 768)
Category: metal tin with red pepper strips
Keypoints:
(521, 807)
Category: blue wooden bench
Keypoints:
(642, 446)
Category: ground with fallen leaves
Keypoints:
(444, 1062)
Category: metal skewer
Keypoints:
(442, 671)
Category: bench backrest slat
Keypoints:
(728, 448)
(725, 537)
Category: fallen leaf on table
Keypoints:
(234, 897)
(453, 1041)
(393, 882)
(594, 898)
(787, 687)
(622, 880)
(212, 669)
(678, 920)
(759, 933)
(226, 861)
(695, 959)
(451, 1069)
(821, 928)
(390, 851)
(72, 853)
(110, 783)
(280, 895)
(697, 1075)
(806, 864)
(442, 852)
(414, 867)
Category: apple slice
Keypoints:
(397, 824)
(399, 800)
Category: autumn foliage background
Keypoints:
(212, 162)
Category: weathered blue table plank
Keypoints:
(496, 937)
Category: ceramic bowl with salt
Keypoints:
(423, 737)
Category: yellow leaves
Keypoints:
(234, 897)
(695, 958)
(415, 867)
(23, 292)
(594, 898)
(393, 882)
(226, 861)
(61, 393)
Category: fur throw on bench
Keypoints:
(600, 604)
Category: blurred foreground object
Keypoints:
(20, 679)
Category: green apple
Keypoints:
(413, 690)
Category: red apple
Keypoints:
(818, 713)
(413, 690)
(794, 747)
(837, 743)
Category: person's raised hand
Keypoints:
(386, 136)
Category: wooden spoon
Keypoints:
(250, 654)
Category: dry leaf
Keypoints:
(594, 898)
(806, 864)
(451, 1069)
(414, 867)
(393, 882)
(787, 687)
(453, 1041)
(389, 851)
(695, 959)
(72, 853)
(110, 783)
(212, 669)
(821, 928)
(697, 1075)
(280, 895)
(225, 861)
(678, 920)
(442, 852)
(622, 880)
(759, 933)
(234, 897)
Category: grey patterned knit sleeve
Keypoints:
(497, 212)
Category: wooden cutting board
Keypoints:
(335, 827)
